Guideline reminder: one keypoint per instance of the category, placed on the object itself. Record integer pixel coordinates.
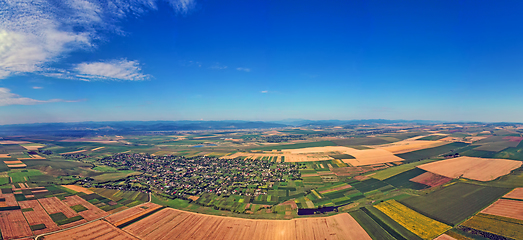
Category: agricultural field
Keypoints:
(95, 230)
(454, 203)
(500, 226)
(171, 223)
(506, 208)
(431, 152)
(265, 180)
(480, 169)
(422, 226)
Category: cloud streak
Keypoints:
(243, 69)
(112, 70)
(8, 98)
(37, 33)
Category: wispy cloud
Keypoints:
(112, 70)
(36, 87)
(34, 34)
(243, 69)
(218, 66)
(8, 98)
(264, 91)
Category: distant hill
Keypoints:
(129, 127)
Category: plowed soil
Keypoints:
(175, 224)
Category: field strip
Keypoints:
(177, 224)
(79, 151)
(73, 227)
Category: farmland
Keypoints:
(257, 183)
(422, 226)
(473, 168)
(455, 203)
(171, 223)
(501, 226)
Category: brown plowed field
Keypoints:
(92, 213)
(431, 179)
(10, 199)
(130, 212)
(506, 208)
(481, 169)
(5, 156)
(517, 193)
(176, 224)
(95, 230)
(38, 216)
(13, 162)
(54, 205)
(14, 225)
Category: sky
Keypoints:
(113, 60)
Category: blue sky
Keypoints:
(90, 60)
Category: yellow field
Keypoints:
(420, 225)
(98, 148)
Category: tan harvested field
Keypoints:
(54, 205)
(38, 216)
(32, 147)
(336, 189)
(17, 166)
(14, 225)
(362, 157)
(13, 142)
(481, 169)
(409, 145)
(95, 230)
(10, 199)
(431, 179)
(130, 212)
(13, 162)
(506, 208)
(77, 188)
(96, 149)
(176, 224)
(444, 237)
(92, 211)
(132, 218)
(79, 151)
(5, 156)
(517, 193)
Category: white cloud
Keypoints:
(218, 66)
(36, 87)
(264, 91)
(112, 70)
(243, 69)
(35, 33)
(8, 98)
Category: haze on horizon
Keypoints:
(103, 60)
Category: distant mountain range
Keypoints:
(129, 127)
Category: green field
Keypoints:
(455, 203)
(115, 176)
(19, 176)
(402, 180)
(374, 230)
(431, 152)
(296, 146)
(392, 227)
(392, 171)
